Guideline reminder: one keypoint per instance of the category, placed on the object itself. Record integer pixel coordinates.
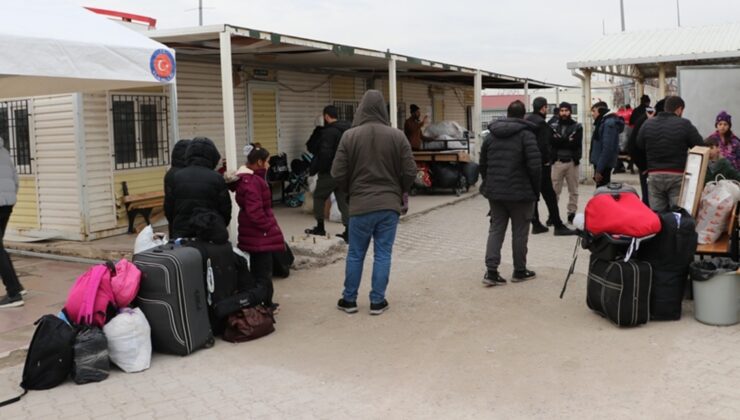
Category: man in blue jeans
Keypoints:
(375, 166)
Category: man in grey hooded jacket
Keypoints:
(374, 166)
(8, 194)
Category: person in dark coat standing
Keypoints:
(604, 142)
(14, 291)
(375, 166)
(544, 135)
(640, 111)
(259, 232)
(328, 142)
(666, 140)
(637, 156)
(178, 162)
(198, 188)
(511, 168)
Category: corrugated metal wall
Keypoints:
(455, 105)
(56, 165)
(200, 106)
(302, 97)
(100, 197)
(418, 94)
(26, 210)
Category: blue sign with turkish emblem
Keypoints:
(162, 65)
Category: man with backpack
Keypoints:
(326, 150)
(8, 197)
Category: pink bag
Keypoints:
(90, 296)
(125, 283)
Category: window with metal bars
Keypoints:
(16, 134)
(141, 136)
(346, 110)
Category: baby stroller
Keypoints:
(298, 180)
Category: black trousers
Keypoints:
(7, 272)
(260, 265)
(551, 199)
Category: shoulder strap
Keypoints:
(13, 400)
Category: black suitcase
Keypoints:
(670, 253)
(220, 274)
(620, 290)
(172, 296)
(471, 171)
(282, 261)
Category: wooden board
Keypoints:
(693, 179)
(448, 156)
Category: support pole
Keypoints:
(175, 130)
(477, 111)
(640, 90)
(227, 94)
(392, 93)
(526, 95)
(586, 172)
(661, 80)
(557, 97)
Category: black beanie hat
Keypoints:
(565, 105)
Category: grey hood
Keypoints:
(371, 109)
(8, 177)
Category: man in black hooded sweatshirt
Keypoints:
(544, 135)
(177, 163)
(198, 188)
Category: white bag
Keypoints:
(147, 239)
(129, 340)
(715, 208)
(312, 180)
(334, 214)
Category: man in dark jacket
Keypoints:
(177, 163)
(198, 188)
(637, 155)
(328, 142)
(375, 166)
(544, 141)
(639, 111)
(511, 167)
(666, 140)
(604, 142)
(567, 143)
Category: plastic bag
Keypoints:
(334, 214)
(449, 130)
(423, 177)
(90, 362)
(129, 340)
(706, 269)
(147, 239)
(717, 201)
(312, 180)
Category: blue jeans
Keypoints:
(381, 227)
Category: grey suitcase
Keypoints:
(172, 296)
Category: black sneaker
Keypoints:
(344, 235)
(538, 228)
(378, 308)
(316, 231)
(11, 302)
(549, 222)
(571, 217)
(520, 276)
(349, 307)
(493, 278)
(563, 230)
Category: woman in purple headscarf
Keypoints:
(729, 144)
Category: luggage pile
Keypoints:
(639, 260)
(173, 298)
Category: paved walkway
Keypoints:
(447, 348)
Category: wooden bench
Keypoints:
(727, 244)
(142, 204)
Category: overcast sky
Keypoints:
(527, 38)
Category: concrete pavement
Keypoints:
(447, 348)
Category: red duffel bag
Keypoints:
(617, 211)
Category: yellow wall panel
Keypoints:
(438, 109)
(26, 210)
(264, 119)
(343, 88)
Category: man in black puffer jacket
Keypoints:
(198, 188)
(328, 142)
(511, 167)
(177, 163)
(544, 135)
(666, 139)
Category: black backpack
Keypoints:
(50, 355)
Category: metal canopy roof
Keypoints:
(639, 54)
(272, 50)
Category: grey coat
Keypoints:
(8, 177)
(374, 163)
